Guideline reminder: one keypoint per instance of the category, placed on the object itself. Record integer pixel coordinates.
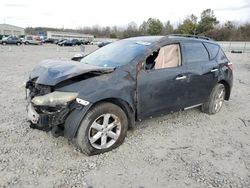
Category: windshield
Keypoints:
(115, 54)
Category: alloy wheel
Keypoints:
(104, 131)
(219, 98)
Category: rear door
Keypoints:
(202, 72)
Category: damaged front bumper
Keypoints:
(54, 111)
(48, 118)
(33, 116)
(62, 122)
(57, 119)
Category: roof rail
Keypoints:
(191, 36)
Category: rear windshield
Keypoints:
(115, 54)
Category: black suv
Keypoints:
(11, 40)
(97, 99)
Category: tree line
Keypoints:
(206, 25)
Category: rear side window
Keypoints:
(213, 49)
(195, 52)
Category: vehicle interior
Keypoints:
(166, 57)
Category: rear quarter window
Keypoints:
(221, 57)
(213, 49)
(195, 52)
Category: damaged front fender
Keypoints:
(106, 86)
(73, 121)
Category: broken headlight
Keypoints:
(54, 99)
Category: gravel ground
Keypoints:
(185, 149)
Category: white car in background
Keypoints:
(31, 40)
(95, 42)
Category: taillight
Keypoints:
(230, 65)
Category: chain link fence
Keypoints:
(229, 46)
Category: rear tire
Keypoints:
(215, 101)
(18, 44)
(4, 43)
(102, 129)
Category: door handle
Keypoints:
(181, 77)
(214, 70)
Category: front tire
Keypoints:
(102, 129)
(215, 101)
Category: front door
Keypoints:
(162, 88)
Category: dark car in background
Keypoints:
(49, 41)
(77, 42)
(73, 42)
(58, 41)
(65, 42)
(96, 100)
(85, 42)
(11, 40)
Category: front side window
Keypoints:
(195, 52)
(169, 56)
(166, 57)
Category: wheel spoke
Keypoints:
(216, 106)
(111, 126)
(112, 135)
(219, 100)
(103, 141)
(106, 119)
(221, 94)
(96, 126)
(95, 137)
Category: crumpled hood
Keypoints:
(51, 72)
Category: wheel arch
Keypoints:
(74, 119)
(227, 87)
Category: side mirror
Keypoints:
(78, 57)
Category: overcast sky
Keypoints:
(79, 13)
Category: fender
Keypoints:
(105, 87)
(73, 121)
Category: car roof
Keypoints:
(150, 39)
(173, 37)
(193, 38)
